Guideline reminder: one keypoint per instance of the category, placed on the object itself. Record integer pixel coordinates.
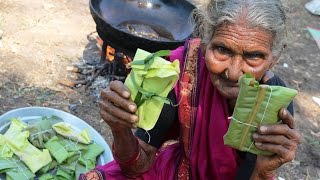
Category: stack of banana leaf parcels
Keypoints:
(46, 148)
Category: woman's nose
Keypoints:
(235, 69)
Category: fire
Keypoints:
(110, 52)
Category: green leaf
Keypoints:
(150, 84)
(47, 176)
(62, 174)
(256, 105)
(68, 131)
(17, 141)
(88, 159)
(56, 149)
(15, 169)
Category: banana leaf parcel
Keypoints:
(256, 105)
(17, 141)
(150, 81)
(41, 130)
(66, 130)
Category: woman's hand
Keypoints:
(281, 139)
(116, 109)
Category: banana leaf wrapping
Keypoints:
(15, 128)
(150, 81)
(80, 169)
(256, 105)
(5, 151)
(41, 130)
(64, 175)
(19, 159)
(56, 149)
(47, 176)
(17, 141)
(44, 170)
(15, 168)
(88, 159)
(67, 131)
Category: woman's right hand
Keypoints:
(116, 108)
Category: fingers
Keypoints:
(120, 89)
(275, 139)
(279, 139)
(117, 112)
(113, 121)
(113, 114)
(114, 98)
(283, 154)
(116, 108)
(286, 118)
(280, 129)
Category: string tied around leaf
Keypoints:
(143, 94)
(261, 120)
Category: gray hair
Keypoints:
(265, 14)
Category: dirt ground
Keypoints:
(41, 38)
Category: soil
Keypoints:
(41, 39)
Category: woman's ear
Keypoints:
(267, 75)
(277, 57)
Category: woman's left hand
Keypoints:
(281, 139)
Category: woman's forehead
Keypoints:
(241, 34)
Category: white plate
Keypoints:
(29, 113)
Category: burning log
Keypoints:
(95, 76)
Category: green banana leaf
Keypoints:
(15, 128)
(68, 168)
(41, 130)
(80, 169)
(69, 132)
(6, 164)
(72, 146)
(74, 158)
(56, 149)
(47, 176)
(20, 159)
(17, 141)
(63, 175)
(15, 168)
(88, 159)
(5, 151)
(51, 165)
(150, 81)
(256, 105)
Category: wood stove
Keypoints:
(152, 25)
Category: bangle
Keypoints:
(132, 160)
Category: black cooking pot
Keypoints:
(164, 23)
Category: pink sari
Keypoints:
(201, 153)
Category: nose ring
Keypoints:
(226, 74)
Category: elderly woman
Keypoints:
(237, 37)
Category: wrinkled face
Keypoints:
(235, 50)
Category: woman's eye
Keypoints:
(253, 56)
(223, 50)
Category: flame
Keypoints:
(110, 51)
